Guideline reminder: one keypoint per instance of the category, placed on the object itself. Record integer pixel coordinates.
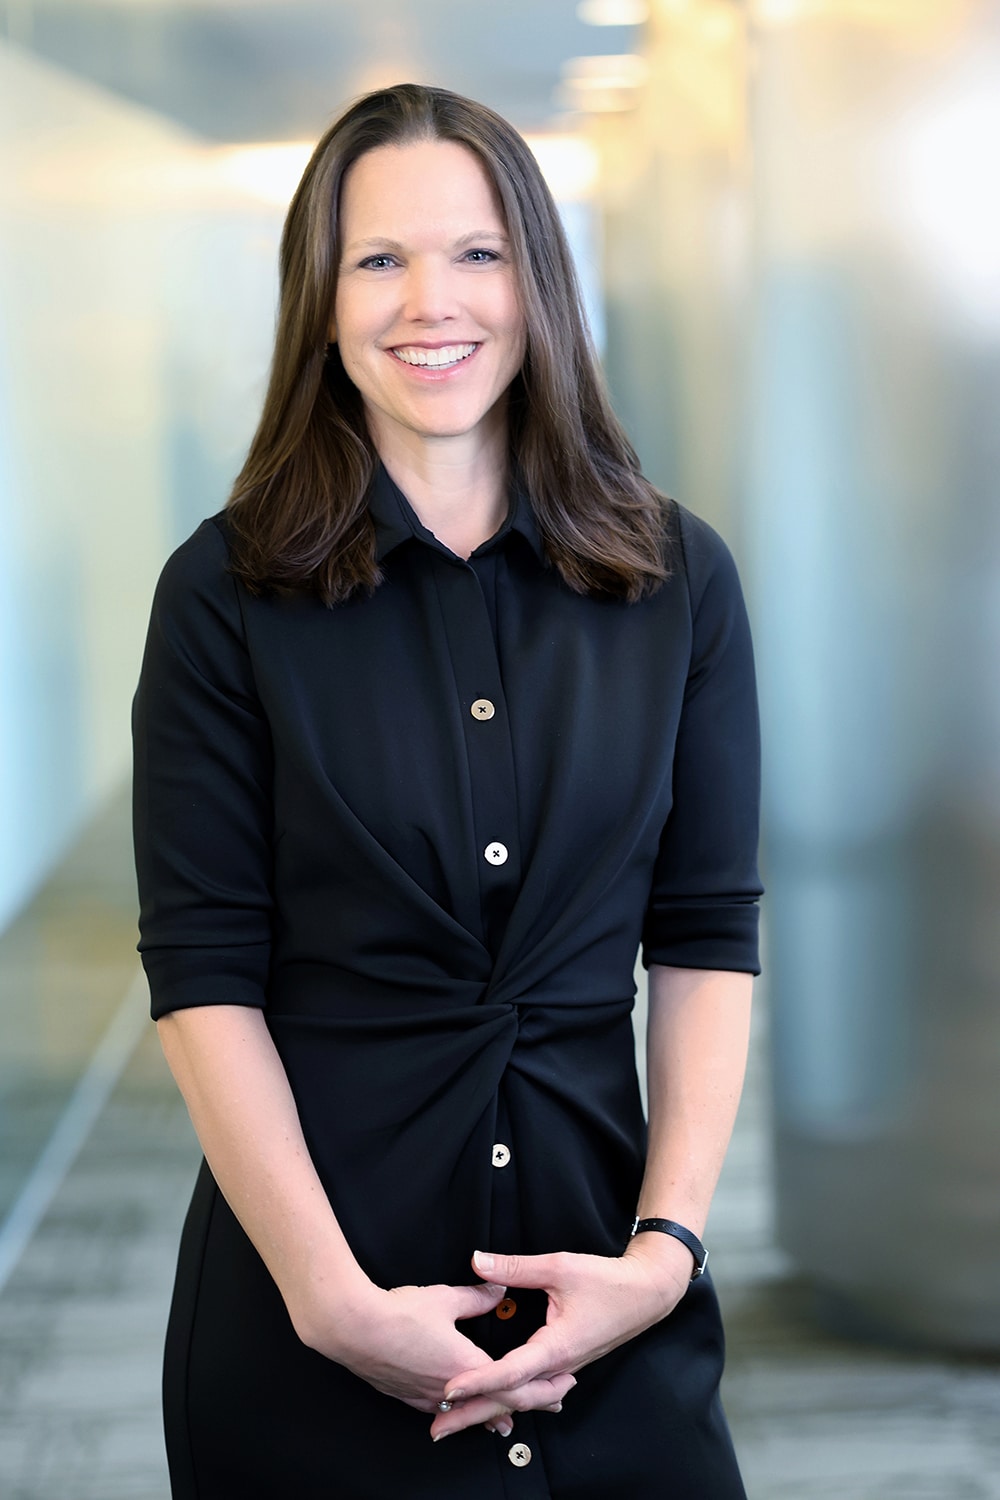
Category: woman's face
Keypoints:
(427, 314)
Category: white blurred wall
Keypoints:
(136, 310)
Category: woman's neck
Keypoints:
(457, 486)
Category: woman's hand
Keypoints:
(595, 1303)
(404, 1342)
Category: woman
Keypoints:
(442, 715)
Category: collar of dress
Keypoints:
(396, 521)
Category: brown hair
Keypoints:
(298, 509)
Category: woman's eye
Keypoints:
(481, 257)
(377, 262)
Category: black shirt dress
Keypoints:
(427, 830)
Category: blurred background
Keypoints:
(787, 217)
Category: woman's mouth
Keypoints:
(434, 359)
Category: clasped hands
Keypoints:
(405, 1343)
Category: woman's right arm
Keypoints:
(404, 1341)
(243, 1112)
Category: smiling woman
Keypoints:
(443, 716)
(299, 514)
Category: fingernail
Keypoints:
(453, 1395)
(483, 1261)
(557, 1407)
(504, 1429)
(438, 1436)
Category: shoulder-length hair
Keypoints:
(298, 509)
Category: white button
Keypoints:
(495, 854)
(519, 1455)
(501, 1154)
(482, 709)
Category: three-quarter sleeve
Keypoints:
(202, 800)
(702, 911)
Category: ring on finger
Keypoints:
(445, 1405)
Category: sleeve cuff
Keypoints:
(182, 979)
(703, 937)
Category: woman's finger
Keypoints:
(488, 1411)
(473, 1301)
(539, 1395)
(544, 1271)
(482, 1411)
(541, 1357)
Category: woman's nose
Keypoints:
(431, 294)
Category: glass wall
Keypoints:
(804, 321)
(136, 298)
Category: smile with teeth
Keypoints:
(436, 359)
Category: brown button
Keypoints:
(482, 709)
(507, 1308)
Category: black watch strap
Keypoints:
(686, 1237)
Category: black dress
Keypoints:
(427, 830)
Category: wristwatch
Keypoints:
(686, 1237)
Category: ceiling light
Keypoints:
(568, 163)
(270, 172)
(939, 166)
(612, 12)
(617, 70)
(783, 12)
(892, 15)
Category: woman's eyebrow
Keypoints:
(483, 234)
(383, 242)
(375, 239)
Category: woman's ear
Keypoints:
(331, 332)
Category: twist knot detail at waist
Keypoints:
(314, 994)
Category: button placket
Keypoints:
(488, 744)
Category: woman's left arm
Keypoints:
(696, 1057)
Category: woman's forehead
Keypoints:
(392, 190)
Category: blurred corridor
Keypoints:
(787, 217)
